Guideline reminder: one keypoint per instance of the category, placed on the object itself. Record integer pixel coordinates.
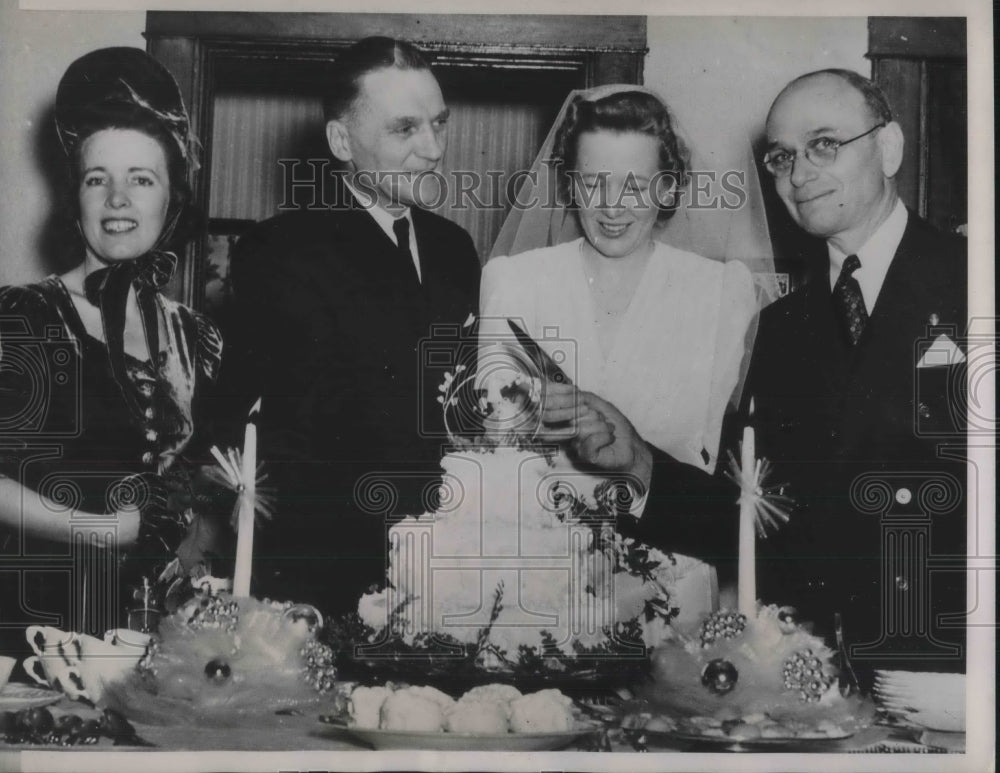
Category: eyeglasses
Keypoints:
(821, 151)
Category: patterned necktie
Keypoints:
(849, 301)
(401, 228)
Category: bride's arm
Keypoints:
(738, 305)
(504, 293)
(24, 508)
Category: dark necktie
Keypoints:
(849, 301)
(401, 228)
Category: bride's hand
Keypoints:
(562, 410)
(567, 417)
(598, 433)
(613, 444)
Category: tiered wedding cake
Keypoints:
(522, 553)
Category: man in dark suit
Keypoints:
(335, 307)
(858, 401)
(858, 384)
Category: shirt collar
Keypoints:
(383, 217)
(875, 255)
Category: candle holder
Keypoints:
(146, 618)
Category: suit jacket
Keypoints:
(871, 448)
(334, 335)
(859, 434)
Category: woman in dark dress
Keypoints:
(101, 375)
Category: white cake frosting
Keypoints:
(504, 523)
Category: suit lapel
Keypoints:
(437, 284)
(891, 320)
(371, 244)
(824, 338)
(423, 227)
(884, 367)
(374, 252)
(901, 280)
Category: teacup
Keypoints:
(103, 662)
(6, 666)
(56, 662)
(128, 639)
(45, 638)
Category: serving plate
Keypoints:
(467, 742)
(931, 700)
(785, 743)
(15, 696)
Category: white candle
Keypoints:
(245, 520)
(747, 577)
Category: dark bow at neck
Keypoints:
(108, 289)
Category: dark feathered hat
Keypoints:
(112, 86)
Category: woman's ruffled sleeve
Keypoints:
(498, 296)
(504, 294)
(24, 315)
(24, 312)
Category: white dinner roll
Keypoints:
(494, 693)
(365, 706)
(445, 702)
(405, 710)
(481, 717)
(546, 711)
(500, 693)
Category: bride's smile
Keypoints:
(614, 173)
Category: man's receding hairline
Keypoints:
(802, 81)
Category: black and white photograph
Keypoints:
(497, 387)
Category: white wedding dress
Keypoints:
(676, 356)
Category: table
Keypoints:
(301, 742)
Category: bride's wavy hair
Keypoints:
(626, 111)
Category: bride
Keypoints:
(657, 330)
(649, 331)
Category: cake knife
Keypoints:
(546, 365)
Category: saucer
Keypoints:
(15, 696)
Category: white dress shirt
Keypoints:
(875, 255)
(385, 220)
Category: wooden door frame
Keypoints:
(598, 49)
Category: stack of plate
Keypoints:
(925, 699)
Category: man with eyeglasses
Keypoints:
(857, 382)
